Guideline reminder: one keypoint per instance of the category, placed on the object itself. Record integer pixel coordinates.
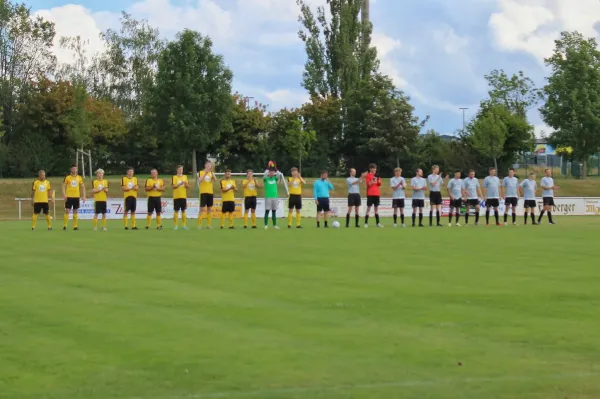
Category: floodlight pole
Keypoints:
(463, 112)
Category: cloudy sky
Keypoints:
(435, 50)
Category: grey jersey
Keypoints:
(353, 188)
(529, 186)
(418, 182)
(399, 192)
(455, 186)
(510, 184)
(492, 186)
(471, 186)
(547, 182)
(435, 183)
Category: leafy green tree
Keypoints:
(488, 133)
(323, 117)
(516, 93)
(572, 105)
(191, 101)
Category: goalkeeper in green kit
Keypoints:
(271, 180)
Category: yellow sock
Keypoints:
(158, 220)
(222, 219)
(66, 218)
(95, 221)
(103, 222)
(184, 218)
(246, 219)
(200, 217)
(125, 220)
(75, 220)
(175, 218)
(209, 218)
(290, 216)
(231, 219)
(132, 219)
(148, 220)
(298, 218)
(49, 221)
(34, 221)
(254, 219)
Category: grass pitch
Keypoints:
(508, 312)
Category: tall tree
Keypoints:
(488, 133)
(516, 93)
(572, 105)
(191, 101)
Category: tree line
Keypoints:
(150, 102)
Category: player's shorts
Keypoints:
(154, 205)
(548, 201)
(398, 203)
(354, 200)
(323, 205)
(472, 202)
(72, 203)
(530, 204)
(130, 204)
(100, 207)
(295, 201)
(373, 200)
(250, 203)
(41, 207)
(456, 203)
(207, 200)
(512, 201)
(492, 203)
(418, 203)
(228, 207)
(435, 198)
(271, 204)
(179, 204)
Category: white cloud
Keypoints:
(286, 98)
(451, 42)
(386, 46)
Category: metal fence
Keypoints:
(559, 165)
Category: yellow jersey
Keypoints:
(73, 183)
(229, 195)
(101, 185)
(206, 182)
(250, 189)
(181, 191)
(126, 182)
(154, 192)
(295, 186)
(41, 188)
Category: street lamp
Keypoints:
(463, 111)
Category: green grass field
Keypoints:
(510, 312)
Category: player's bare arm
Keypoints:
(83, 192)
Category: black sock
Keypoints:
(505, 217)
(420, 218)
(347, 220)
(430, 217)
(437, 216)
(525, 217)
(326, 223)
(514, 217)
(532, 217)
(467, 217)
(395, 219)
(487, 216)
(367, 218)
(377, 218)
(477, 217)
(541, 214)
(318, 224)
(550, 216)
(356, 219)
(414, 216)
(457, 215)
(497, 216)
(450, 216)
(402, 218)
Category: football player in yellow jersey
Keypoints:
(100, 189)
(206, 178)
(228, 189)
(154, 189)
(72, 189)
(129, 185)
(250, 193)
(42, 193)
(180, 185)
(295, 200)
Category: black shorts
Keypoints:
(492, 203)
(513, 201)
(398, 203)
(130, 204)
(41, 207)
(228, 207)
(100, 207)
(154, 205)
(354, 200)
(456, 203)
(72, 203)
(472, 202)
(323, 205)
(435, 198)
(295, 201)
(418, 203)
(548, 201)
(373, 200)
(207, 200)
(250, 203)
(530, 204)
(179, 204)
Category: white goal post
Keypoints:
(260, 174)
(84, 154)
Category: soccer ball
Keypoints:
(228, 186)
(336, 225)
